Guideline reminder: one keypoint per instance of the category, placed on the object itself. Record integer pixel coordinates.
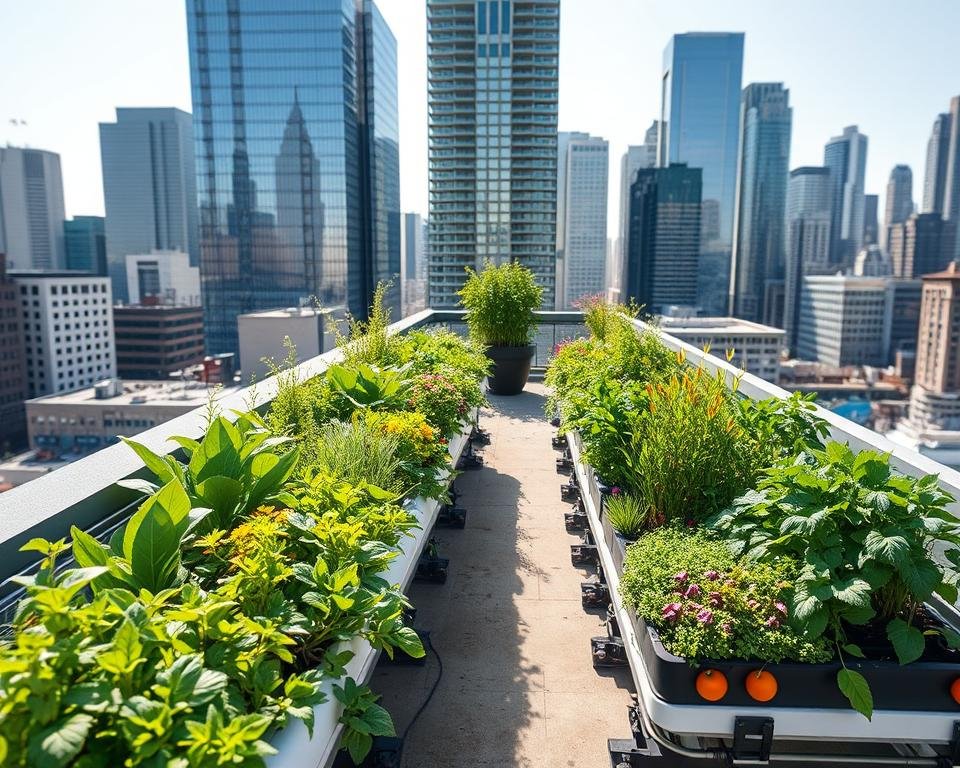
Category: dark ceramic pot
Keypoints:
(511, 368)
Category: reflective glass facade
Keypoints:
(700, 118)
(758, 265)
(492, 90)
(295, 117)
(846, 157)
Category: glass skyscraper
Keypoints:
(758, 267)
(297, 144)
(846, 157)
(699, 126)
(86, 244)
(492, 95)
(149, 187)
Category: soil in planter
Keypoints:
(872, 639)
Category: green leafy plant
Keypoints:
(355, 452)
(707, 606)
(369, 342)
(441, 401)
(627, 514)
(362, 718)
(865, 536)
(367, 386)
(500, 301)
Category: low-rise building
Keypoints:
(67, 329)
(262, 337)
(756, 348)
(155, 341)
(71, 424)
(162, 277)
(856, 320)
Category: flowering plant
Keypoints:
(422, 450)
(440, 400)
(706, 606)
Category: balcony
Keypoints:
(516, 686)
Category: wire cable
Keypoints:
(433, 690)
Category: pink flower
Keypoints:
(691, 523)
(681, 577)
(780, 607)
(692, 591)
(705, 616)
(711, 575)
(752, 605)
(727, 627)
(772, 623)
(672, 611)
(615, 491)
(716, 599)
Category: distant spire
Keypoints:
(296, 95)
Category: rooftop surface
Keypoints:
(518, 686)
(191, 393)
(680, 326)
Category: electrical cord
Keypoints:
(433, 690)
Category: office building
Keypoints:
(664, 237)
(846, 157)
(904, 309)
(637, 156)
(933, 424)
(899, 202)
(72, 424)
(155, 341)
(263, 335)
(413, 271)
(699, 126)
(845, 320)
(149, 187)
(754, 348)
(67, 329)
(582, 178)
(871, 224)
(13, 366)
(31, 209)
(492, 88)
(935, 175)
(162, 277)
(951, 182)
(295, 118)
(766, 121)
(921, 245)
(807, 239)
(86, 244)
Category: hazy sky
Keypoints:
(886, 65)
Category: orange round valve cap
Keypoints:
(761, 685)
(955, 690)
(712, 684)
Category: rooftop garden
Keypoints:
(746, 534)
(218, 613)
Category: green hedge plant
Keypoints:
(500, 302)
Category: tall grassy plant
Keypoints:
(356, 453)
(500, 301)
(369, 341)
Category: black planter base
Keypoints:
(511, 369)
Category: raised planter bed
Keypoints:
(912, 703)
(296, 748)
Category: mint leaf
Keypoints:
(855, 687)
(907, 641)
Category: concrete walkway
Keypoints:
(518, 687)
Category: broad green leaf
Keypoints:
(124, 654)
(219, 452)
(855, 592)
(153, 461)
(378, 720)
(921, 577)
(907, 641)
(854, 650)
(222, 495)
(855, 687)
(887, 549)
(408, 641)
(151, 539)
(87, 551)
(274, 478)
(56, 745)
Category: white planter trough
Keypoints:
(296, 749)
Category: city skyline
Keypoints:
(592, 75)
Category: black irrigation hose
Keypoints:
(433, 690)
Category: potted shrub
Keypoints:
(500, 301)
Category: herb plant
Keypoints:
(707, 606)
(865, 536)
(626, 514)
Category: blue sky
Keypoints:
(885, 65)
